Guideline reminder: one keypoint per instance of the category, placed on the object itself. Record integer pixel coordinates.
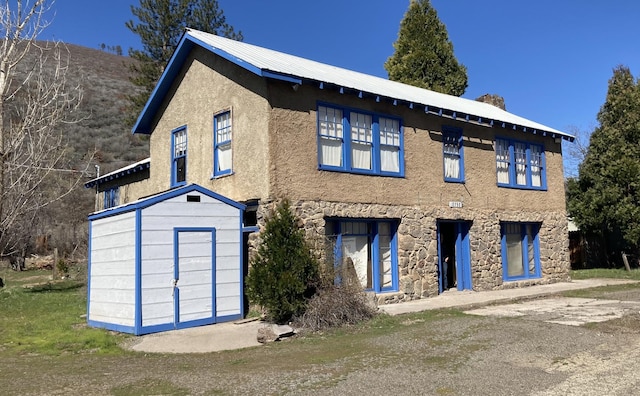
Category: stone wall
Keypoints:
(418, 247)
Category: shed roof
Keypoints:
(163, 196)
(273, 64)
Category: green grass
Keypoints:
(617, 273)
(44, 317)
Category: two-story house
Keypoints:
(423, 191)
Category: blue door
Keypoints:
(454, 255)
(194, 277)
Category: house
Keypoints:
(171, 260)
(397, 177)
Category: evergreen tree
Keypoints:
(605, 199)
(423, 53)
(283, 273)
(161, 25)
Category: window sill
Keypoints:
(221, 175)
(516, 187)
(361, 172)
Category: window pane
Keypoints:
(514, 250)
(536, 166)
(180, 143)
(330, 122)
(384, 241)
(330, 151)
(224, 156)
(502, 161)
(389, 159)
(360, 155)
(520, 153)
(530, 250)
(180, 170)
(356, 251)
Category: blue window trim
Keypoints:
(512, 166)
(346, 143)
(524, 240)
(111, 197)
(217, 144)
(375, 249)
(453, 134)
(174, 158)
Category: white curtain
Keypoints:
(390, 159)
(331, 152)
(502, 161)
(360, 155)
(451, 166)
(515, 266)
(536, 166)
(224, 157)
(520, 151)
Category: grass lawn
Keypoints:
(46, 347)
(618, 273)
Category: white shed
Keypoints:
(169, 261)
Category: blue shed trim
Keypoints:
(138, 273)
(152, 200)
(113, 327)
(89, 274)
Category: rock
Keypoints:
(274, 332)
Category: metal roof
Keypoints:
(118, 173)
(273, 64)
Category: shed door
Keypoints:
(194, 277)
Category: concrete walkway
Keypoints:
(468, 299)
(242, 334)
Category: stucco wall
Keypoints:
(207, 86)
(296, 175)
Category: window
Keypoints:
(179, 157)
(368, 248)
(222, 144)
(358, 142)
(520, 165)
(520, 251)
(111, 198)
(452, 155)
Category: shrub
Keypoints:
(283, 273)
(337, 304)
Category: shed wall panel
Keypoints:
(112, 282)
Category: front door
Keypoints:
(454, 264)
(194, 277)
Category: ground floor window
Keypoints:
(520, 251)
(368, 248)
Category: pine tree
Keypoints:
(283, 274)
(161, 25)
(605, 199)
(424, 55)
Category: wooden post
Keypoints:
(55, 263)
(626, 262)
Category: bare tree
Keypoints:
(35, 103)
(574, 152)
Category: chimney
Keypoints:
(495, 100)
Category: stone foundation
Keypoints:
(418, 246)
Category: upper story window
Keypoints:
(520, 165)
(222, 158)
(179, 157)
(358, 142)
(111, 198)
(452, 153)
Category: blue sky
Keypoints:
(550, 60)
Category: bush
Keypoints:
(337, 305)
(283, 274)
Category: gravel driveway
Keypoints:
(432, 353)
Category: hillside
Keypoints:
(101, 129)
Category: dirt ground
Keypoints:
(449, 354)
